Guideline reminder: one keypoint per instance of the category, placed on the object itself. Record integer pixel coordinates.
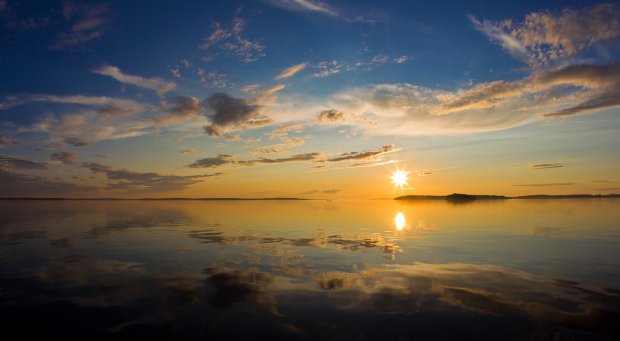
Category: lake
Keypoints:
(377, 269)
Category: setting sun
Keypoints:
(400, 178)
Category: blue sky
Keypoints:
(308, 98)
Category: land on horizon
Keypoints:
(450, 197)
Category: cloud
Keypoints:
(231, 40)
(327, 69)
(187, 151)
(177, 108)
(6, 141)
(282, 133)
(293, 158)
(69, 158)
(16, 184)
(289, 72)
(227, 159)
(75, 141)
(547, 165)
(400, 59)
(365, 155)
(210, 162)
(213, 79)
(156, 84)
(126, 180)
(87, 22)
(331, 116)
(304, 6)
(546, 184)
(88, 127)
(543, 37)
(408, 109)
(8, 163)
(327, 191)
(229, 113)
(106, 106)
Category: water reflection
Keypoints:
(400, 221)
(280, 270)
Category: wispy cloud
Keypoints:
(226, 159)
(213, 79)
(156, 84)
(543, 37)
(187, 151)
(9, 163)
(364, 155)
(126, 180)
(16, 184)
(289, 72)
(547, 165)
(231, 40)
(400, 59)
(211, 162)
(407, 109)
(304, 6)
(75, 141)
(327, 69)
(106, 106)
(292, 158)
(551, 184)
(69, 158)
(87, 127)
(326, 191)
(6, 141)
(86, 21)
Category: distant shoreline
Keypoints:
(455, 197)
(459, 197)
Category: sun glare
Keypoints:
(400, 178)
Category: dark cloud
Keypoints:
(16, 184)
(178, 108)
(76, 141)
(11, 163)
(546, 184)
(69, 158)
(122, 179)
(365, 155)
(331, 116)
(548, 165)
(226, 112)
(209, 162)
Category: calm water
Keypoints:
(390, 270)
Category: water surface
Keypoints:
(512, 269)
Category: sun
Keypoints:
(400, 178)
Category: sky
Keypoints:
(308, 98)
